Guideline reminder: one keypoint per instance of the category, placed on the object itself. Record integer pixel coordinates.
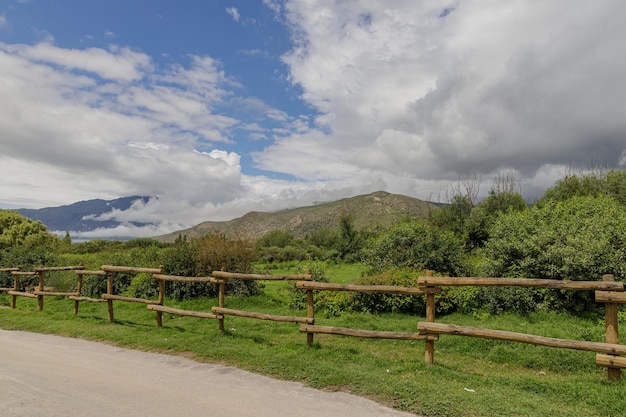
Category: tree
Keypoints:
(25, 242)
(17, 230)
(350, 239)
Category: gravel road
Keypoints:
(51, 376)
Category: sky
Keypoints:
(217, 108)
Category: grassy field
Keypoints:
(470, 377)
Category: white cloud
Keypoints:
(4, 23)
(234, 13)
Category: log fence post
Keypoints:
(16, 287)
(220, 300)
(79, 288)
(310, 303)
(611, 335)
(110, 275)
(429, 354)
(159, 314)
(40, 287)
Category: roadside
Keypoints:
(65, 377)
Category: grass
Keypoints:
(470, 377)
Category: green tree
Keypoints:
(350, 238)
(25, 242)
(17, 230)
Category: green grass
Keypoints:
(470, 377)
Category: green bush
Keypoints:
(581, 238)
(143, 286)
(384, 302)
(416, 246)
(200, 257)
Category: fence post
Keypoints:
(110, 275)
(429, 355)
(79, 288)
(16, 287)
(220, 300)
(612, 336)
(159, 314)
(310, 306)
(40, 287)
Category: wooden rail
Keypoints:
(520, 282)
(180, 312)
(222, 311)
(8, 270)
(440, 328)
(261, 316)
(160, 308)
(258, 277)
(109, 297)
(389, 289)
(373, 334)
(311, 329)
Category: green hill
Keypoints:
(374, 211)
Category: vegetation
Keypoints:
(575, 231)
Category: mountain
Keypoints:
(373, 211)
(79, 217)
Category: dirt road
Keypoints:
(43, 375)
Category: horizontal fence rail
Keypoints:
(453, 329)
(426, 281)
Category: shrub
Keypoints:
(581, 238)
(201, 257)
(416, 246)
(142, 286)
(384, 302)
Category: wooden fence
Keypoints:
(311, 328)
(606, 291)
(110, 271)
(160, 308)
(608, 354)
(221, 310)
(41, 291)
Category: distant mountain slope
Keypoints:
(373, 211)
(73, 217)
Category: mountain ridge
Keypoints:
(80, 216)
(371, 211)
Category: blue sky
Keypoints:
(217, 108)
